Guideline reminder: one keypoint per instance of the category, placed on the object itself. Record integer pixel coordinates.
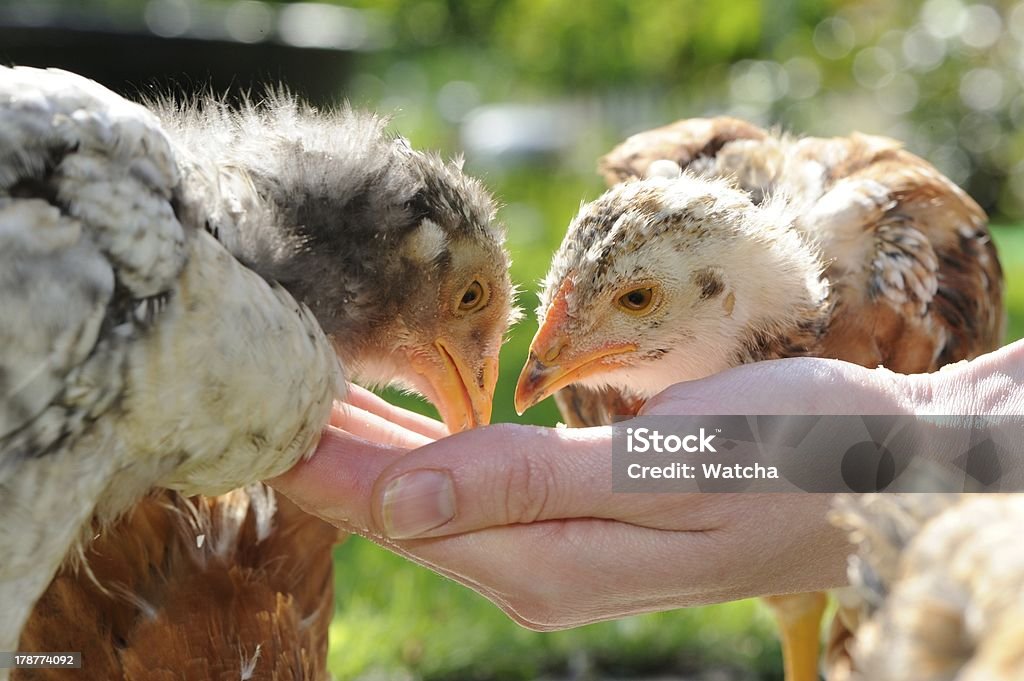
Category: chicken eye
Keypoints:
(473, 298)
(637, 300)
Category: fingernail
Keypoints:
(417, 502)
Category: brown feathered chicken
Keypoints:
(942, 580)
(231, 587)
(741, 246)
(177, 291)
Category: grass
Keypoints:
(395, 620)
(398, 621)
(1010, 242)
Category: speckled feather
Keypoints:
(912, 275)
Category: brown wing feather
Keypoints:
(683, 142)
(160, 607)
(581, 407)
(925, 287)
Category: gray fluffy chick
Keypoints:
(179, 287)
(395, 251)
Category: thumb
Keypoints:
(506, 475)
(336, 482)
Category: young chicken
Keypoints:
(177, 293)
(942, 580)
(766, 246)
(395, 252)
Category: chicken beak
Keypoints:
(553, 363)
(463, 400)
(548, 369)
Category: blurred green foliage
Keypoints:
(398, 622)
(942, 75)
(1010, 241)
(557, 43)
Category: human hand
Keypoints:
(539, 531)
(367, 416)
(526, 516)
(986, 385)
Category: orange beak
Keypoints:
(553, 364)
(463, 401)
(541, 379)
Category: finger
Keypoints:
(373, 427)
(336, 483)
(505, 474)
(368, 401)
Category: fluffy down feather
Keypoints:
(911, 275)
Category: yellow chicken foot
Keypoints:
(799, 619)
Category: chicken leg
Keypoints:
(799, 620)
